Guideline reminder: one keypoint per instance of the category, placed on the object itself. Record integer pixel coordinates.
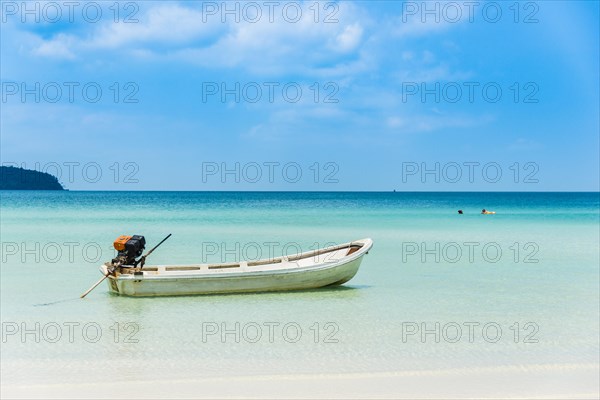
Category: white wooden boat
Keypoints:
(324, 267)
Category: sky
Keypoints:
(306, 95)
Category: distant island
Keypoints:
(12, 178)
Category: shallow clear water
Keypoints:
(531, 270)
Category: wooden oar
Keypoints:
(110, 270)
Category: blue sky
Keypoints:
(388, 90)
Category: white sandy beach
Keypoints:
(570, 381)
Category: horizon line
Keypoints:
(304, 191)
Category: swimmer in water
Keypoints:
(460, 211)
(484, 211)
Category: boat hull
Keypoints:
(231, 284)
(284, 277)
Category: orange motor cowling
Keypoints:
(119, 243)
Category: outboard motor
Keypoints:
(129, 248)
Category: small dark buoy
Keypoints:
(460, 211)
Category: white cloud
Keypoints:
(432, 122)
(58, 47)
(395, 122)
(291, 120)
(161, 24)
(182, 33)
(349, 38)
(358, 53)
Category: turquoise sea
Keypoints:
(437, 291)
